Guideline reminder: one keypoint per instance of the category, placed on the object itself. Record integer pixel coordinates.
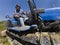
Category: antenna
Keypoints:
(34, 4)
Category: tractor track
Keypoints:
(50, 38)
(46, 38)
(54, 38)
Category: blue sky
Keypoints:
(7, 7)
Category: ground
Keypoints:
(2, 25)
(42, 36)
(3, 40)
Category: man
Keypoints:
(19, 13)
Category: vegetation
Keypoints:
(2, 25)
(3, 40)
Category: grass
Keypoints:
(4, 40)
(2, 25)
(7, 43)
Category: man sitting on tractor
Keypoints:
(18, 13)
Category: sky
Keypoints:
(7, 7)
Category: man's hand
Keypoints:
(16, 16)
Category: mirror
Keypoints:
(7, 16)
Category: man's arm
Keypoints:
(22, 12)
(15, 14)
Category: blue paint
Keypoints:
(51, 14)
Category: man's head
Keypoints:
(18, 7)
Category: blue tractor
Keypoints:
(39, 20)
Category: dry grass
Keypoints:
(3, 40)
(2, 25)
(56, 37)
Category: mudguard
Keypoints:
(51, 14)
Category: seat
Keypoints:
(23, 28)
